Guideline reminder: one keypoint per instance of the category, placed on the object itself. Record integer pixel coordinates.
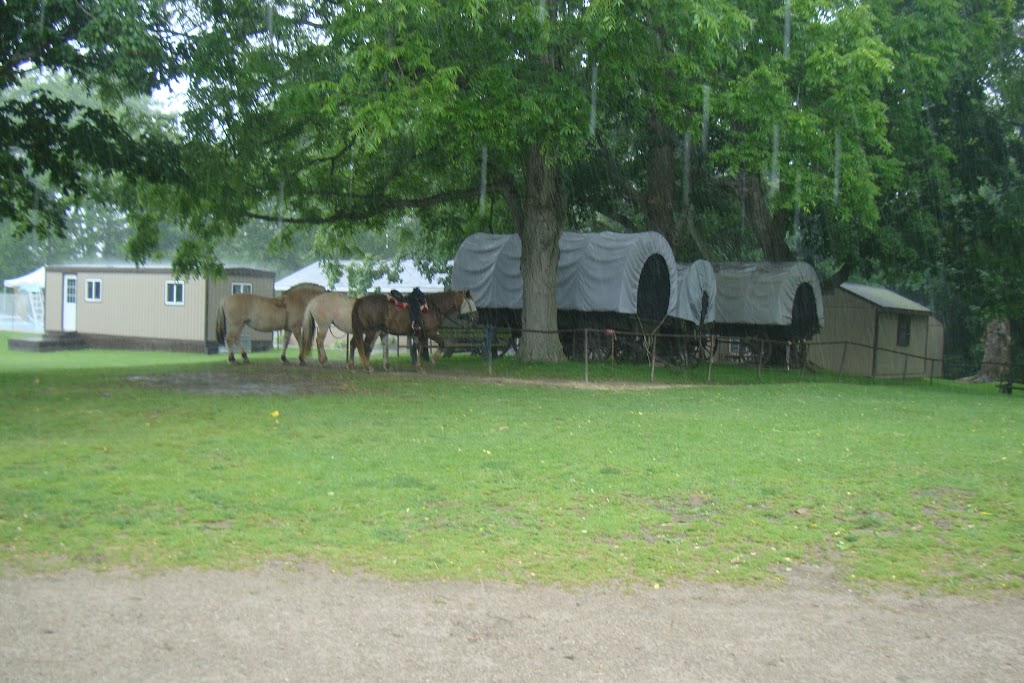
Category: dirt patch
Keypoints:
(294, 379)
(255, 379)
(288, 622)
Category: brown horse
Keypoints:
(265, 314)
(376, 314)
(323, 311)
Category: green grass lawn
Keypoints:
(915, 486)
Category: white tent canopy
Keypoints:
(697, 291)
(409, 277)
(30, 282)
(597, 272)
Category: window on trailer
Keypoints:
(174, 293)
(93, 290)
(241, 288)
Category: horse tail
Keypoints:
(357, 323)
(308, 322)
(222, 324)
(358, 332)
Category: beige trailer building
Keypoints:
(875, 332)
(147, 307)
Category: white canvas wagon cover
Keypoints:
(601, 272)
(764, 293)
(696, 292)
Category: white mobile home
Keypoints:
(129, 307)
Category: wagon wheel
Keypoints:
(754, 351)
(596, 343)
(800, 349)
(699, 348)
(632, 348)
(505, 341)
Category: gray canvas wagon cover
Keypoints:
(488, 267)
(767, 294)
(600, 272)
(694, 282)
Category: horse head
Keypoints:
(467, 306)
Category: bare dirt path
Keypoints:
(306, 623)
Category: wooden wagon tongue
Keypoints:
(415, 301)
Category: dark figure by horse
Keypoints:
(265, 314)
(379, 314)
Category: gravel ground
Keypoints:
(306, 623)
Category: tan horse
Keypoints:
(376, 314)
(322, 312)
(265, 314)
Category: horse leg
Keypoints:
(359, 344)
(284, 347)
(421, 351)
(231, 341)
(321, 334)
(419, 357)
(437, 354)
(384, 343)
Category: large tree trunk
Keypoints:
(542, 223)
(769, 230)
(995, 364)
(659, 207)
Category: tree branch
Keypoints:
(369, 207)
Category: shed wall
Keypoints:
(860, 338)
(133, 305)
(901, 361)
(936, 347)
(845, 343)
(218, 289)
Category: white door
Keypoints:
(70, 303)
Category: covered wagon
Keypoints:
(766, 308)
(694, 312)
(606, 282)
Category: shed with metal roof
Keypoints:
(875, 332)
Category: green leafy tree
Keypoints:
(954, 105)
(769, 141)
(349, 115)
(52, 144)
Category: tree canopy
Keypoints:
(52, 145)
(348, 114)
(876, 138)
